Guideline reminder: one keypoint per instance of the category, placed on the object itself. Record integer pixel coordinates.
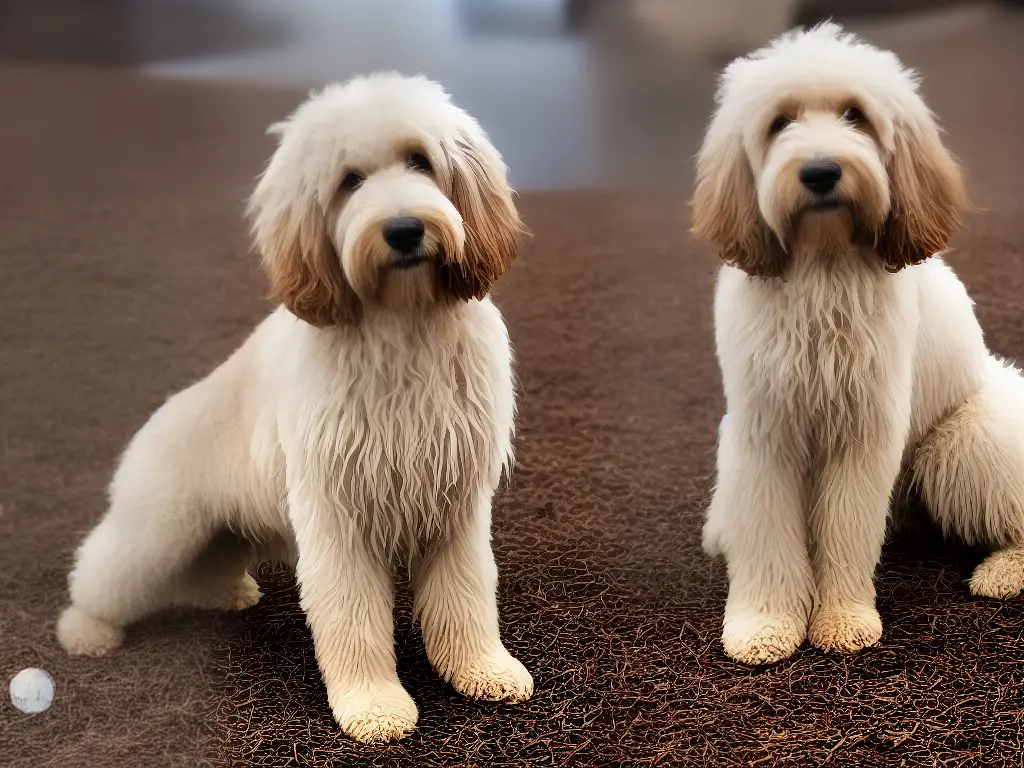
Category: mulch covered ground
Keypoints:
(124, 276)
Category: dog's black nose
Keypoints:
(405, 235)
(820, 176)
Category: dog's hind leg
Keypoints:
(127, 567)
(970, 470)
(1000, 575)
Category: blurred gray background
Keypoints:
(577, 93)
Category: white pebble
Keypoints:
(32, 690)
(725, 422)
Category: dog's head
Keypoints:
(820, 140)
(382, 194)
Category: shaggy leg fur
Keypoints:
(848, 520)
(971, 473)
(348, 596)
(455, 603)
(757, 520)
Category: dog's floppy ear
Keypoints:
(290, 233)
(725, 212)
(480, 193)
(927, 197)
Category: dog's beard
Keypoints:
(825, 225)
(833, 224)
(409, 287)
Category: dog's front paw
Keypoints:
(758, 639)
(845, 629)
(495, 677)
(375, 715)
(1000, 575)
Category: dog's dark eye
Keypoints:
(855, 117)
(352, 181)
(420, 163)
(778, 125)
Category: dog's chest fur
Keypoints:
(415, 426)
(822, 344)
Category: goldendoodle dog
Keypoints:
(852, 360)
(365, 423)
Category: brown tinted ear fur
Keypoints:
(927, 198)
(725, 212)
(304, 270)
(482, 197)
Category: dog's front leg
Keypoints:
(757, 519)
(848, 520)
(457, 608)
(347, 593)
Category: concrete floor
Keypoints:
(576, 93)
